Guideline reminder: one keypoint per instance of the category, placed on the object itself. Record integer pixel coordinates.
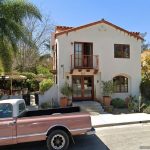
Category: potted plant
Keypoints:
(66, 91)
(108, 89)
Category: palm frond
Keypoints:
(19, 9)
(5, 55)
(12, 29)
(17, 32)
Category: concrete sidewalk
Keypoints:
(104, 120)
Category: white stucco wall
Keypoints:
(49, 95)
(103, 38)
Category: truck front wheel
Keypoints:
(58, 140)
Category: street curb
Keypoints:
(119, 124)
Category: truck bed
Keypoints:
(50, 111)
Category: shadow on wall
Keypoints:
(49, 95)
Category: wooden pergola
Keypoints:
(12, 77)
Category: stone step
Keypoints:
(94, 108)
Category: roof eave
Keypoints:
(94, 23)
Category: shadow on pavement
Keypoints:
(83, 142)
(27, 146)
(91, 142)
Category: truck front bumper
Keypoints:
(91, 132)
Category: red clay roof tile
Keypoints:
(64, 29)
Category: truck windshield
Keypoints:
(6, 110)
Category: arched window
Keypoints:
(120, 84)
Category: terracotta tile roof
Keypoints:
(63, 29)
(136, 33)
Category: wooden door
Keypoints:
(83, 87)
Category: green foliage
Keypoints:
(145, 88)
(32, 85)
(147, 110)
(146, 68)
(29, 75)
(6, 55)
(133, 104)
(143, 106)
(108, 88)
(45, 85)
(66, 90)
(118, 103)
(12, 28)
(46, 105)
(1, 67)
(44, 71)
(49, 104)
(109, 109)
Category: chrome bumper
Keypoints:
(91, 132)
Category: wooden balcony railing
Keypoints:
(84, 62)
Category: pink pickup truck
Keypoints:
(56, 126)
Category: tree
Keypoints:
(145, 45)
(146, 68)
(27, 58)
(12, 28)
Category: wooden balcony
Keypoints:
(85, 62)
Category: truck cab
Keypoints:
(9, 110)
(12, 108)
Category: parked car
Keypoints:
(56, 126)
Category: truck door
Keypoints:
(7, 125)
(29, 128)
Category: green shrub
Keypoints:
(45, 85)
(1, 67)
(133, 104)
(32, 85)
(50, 104)
(46, 105)
(66, 90)
(145, 88)
(118, 103)
(147, 110)
(44, 71)
(108, 87)
(143, 105)
(29, 75)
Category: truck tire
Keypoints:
(58, 140)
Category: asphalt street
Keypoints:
(127, 137)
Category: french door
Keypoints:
(83, 87)
(83, 55)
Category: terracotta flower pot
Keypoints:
(63, 101)
(106, 100)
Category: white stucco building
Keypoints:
(100, 51)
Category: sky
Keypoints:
(132, 15)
